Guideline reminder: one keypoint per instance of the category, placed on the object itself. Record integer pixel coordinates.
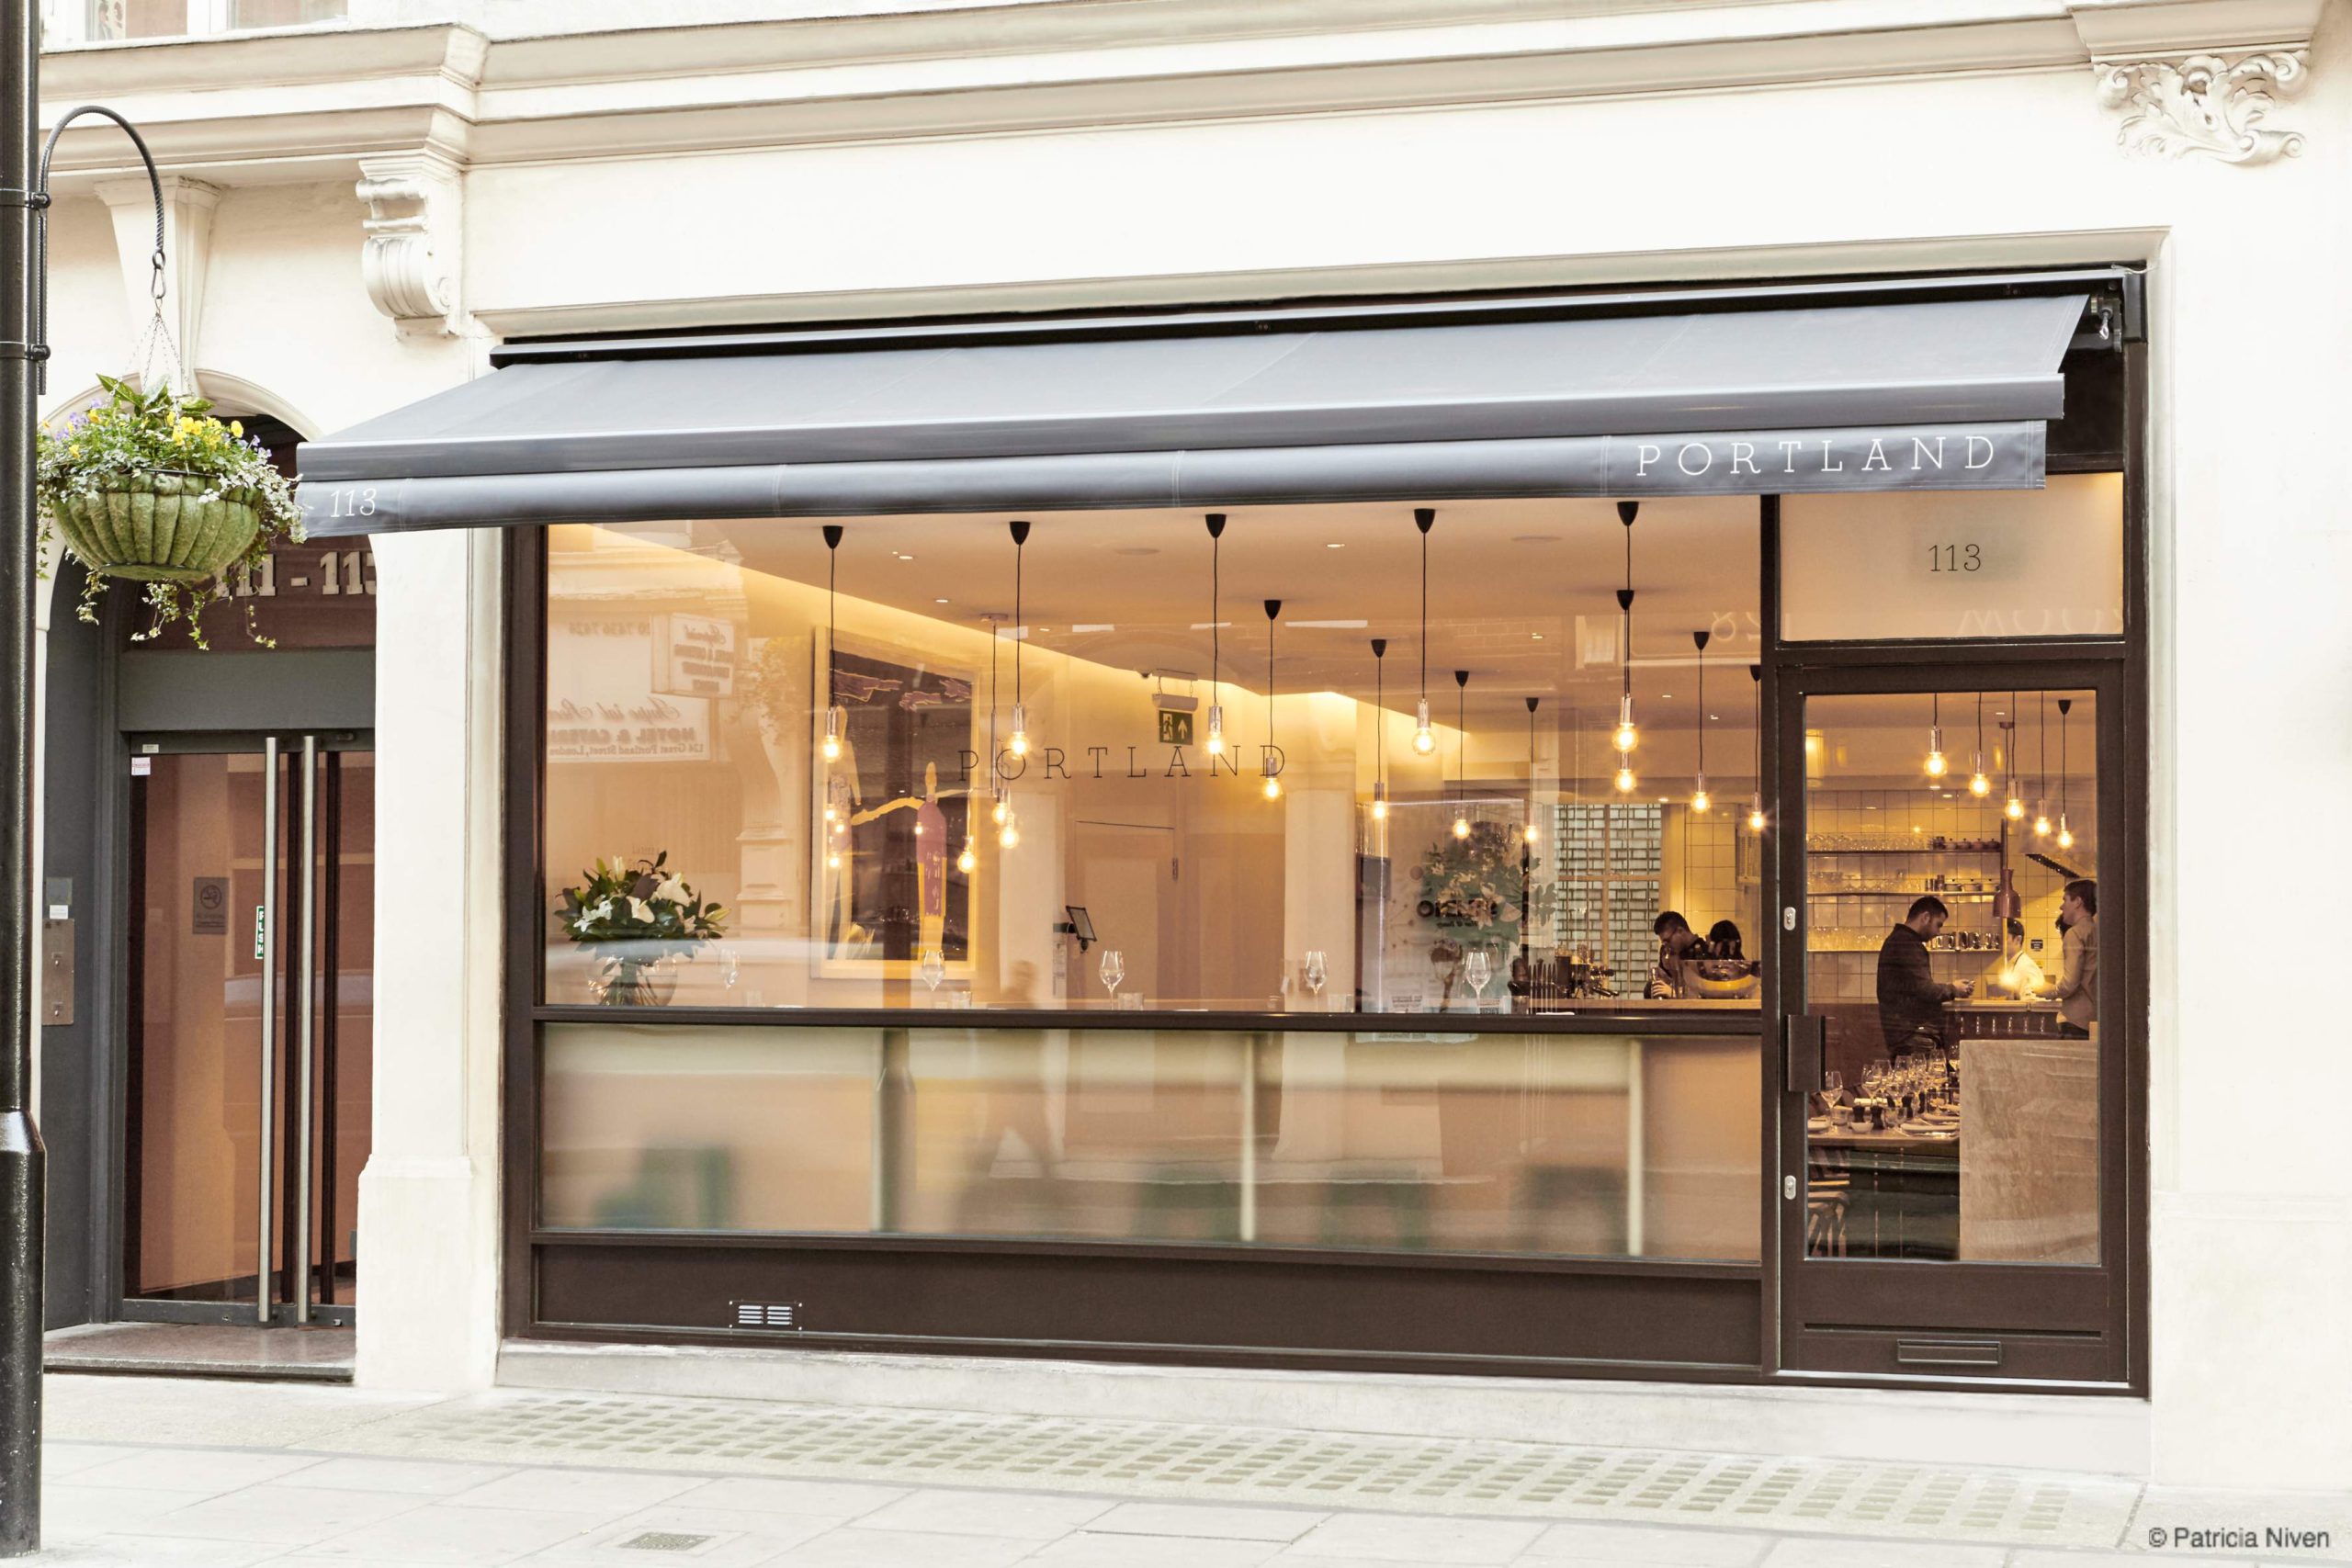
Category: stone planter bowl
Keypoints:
(158, 531)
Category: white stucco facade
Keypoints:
(943, 159)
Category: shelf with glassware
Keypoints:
(1966, 871)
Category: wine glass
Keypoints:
(1318, 972)
(1478, 969)
(932, 969)
(1833, 1084)
(1114, 970)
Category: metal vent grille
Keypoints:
(665, 1541)
(768, 1314)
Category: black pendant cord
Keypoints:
(1702, 638)
(1462, 740)
(996, 638)
(832, 624)
(1425, 518)
(1216, 548)
(1380, 712)
(1755, 731)
(2065, 706)
(2041, 764)
(1019, 627)
(1979, 758)
(1273, 608)
(1626, 512)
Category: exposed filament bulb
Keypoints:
(832, 745)
(1424, 738)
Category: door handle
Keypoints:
(1803, 1036)
(265, 1231)
(305, 1043)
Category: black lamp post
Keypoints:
(24, 196)
(21, 1150)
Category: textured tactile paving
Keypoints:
(1259, 1466)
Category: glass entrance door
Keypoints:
(250, 1026)
(1951, 1173)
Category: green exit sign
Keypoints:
(1175, 728)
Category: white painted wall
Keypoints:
(2251, 1229)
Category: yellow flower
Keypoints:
(237, 427)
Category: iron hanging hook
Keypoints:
(37, 350)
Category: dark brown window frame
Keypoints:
(605, 1286)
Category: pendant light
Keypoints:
(1700, 802)
(1019, 744)
(1979, 784)
(1217, 710)
(1936, 766)
(1379, 722)
(1424, 738)
(2012, 808)
(1530, 834)
(1756, 725)
(1273, 787)
(2066, 834)
(1626, 736)
(2042, 772)
(1460, 753)
(831, 746)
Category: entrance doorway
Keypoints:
(249, 1026)
(1956, 1033)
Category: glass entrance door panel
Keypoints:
(247, 1106)
(1948, 1082)
(200, 824)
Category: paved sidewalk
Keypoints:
(153, 1470)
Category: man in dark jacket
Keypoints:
(1910, 998)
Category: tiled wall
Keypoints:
(1700, 871)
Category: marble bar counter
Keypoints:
(2029, 1171)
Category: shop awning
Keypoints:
(1932, 394)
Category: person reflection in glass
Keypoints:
(1910, 998)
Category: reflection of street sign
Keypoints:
(1175, 728)
(694, 656)
(211, 907)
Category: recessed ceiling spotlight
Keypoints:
(939, 601)
(1335, 544)
(1536, 636)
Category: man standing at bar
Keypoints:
(1910, 998)
(2077, 991)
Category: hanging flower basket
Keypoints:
(161, 527)
(149, 487)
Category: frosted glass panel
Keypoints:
(2010, 563)
(707, 1129)
(1408, 1142)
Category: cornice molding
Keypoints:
(310, 105)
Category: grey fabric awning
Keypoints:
(1938, 394)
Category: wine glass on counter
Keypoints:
(1114, 970)
(1478, 969)
(1319, 971)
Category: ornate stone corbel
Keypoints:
(2206, 104)
(409, 264)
